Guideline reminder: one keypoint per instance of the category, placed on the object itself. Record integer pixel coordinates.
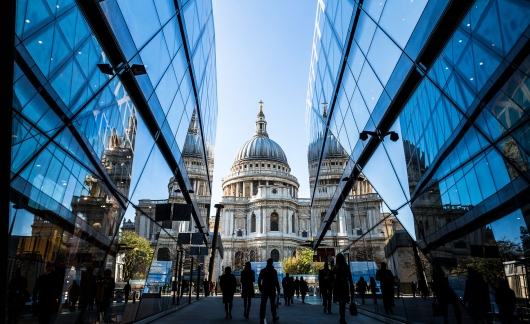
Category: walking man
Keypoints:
(325, 281)
(268, 286)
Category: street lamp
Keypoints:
(363, 136)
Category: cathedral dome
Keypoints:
(260, 147)
(333, 149)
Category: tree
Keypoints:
(138, 256)
(301, 263)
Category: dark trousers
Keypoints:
(326, 296)
(247, 302)
(362, 294)
(263, 306)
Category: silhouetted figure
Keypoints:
(47, 293)
(342, 285)
(422, 287)
(228, 284)
(505, 299)
(268, 286)
(127, 291)
(386, 282)
(104, 292)
(361, 288)
(297, 287)
(205, 287)
(87, 291)
(16, 296)
(247, 287)
(287, 288)
(303, 289)
(413, 287)
(291, 279)
(211, 287)
(73, 295)
(325, 282)
(397, 286)
(445, 296)
(476, 296)
(373, 289)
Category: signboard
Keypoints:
(257, 266)
(159, 276)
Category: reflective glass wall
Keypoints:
(429, 99)
(114, 102)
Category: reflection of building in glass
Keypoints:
(451, 78)
(95, 103)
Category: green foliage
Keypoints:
(138, 256)
(302, 263)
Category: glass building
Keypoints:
(430, 99)
(104, 95)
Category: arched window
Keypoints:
(292, 224)
(252, 256)
(253, 223)
(275, 255)
(274, 222)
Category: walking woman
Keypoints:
(228, 284)
(342, 286)
(247, 287)
(303, 289)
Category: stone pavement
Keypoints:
(211, 310)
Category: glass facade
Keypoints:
(104, 97)
(450, 79)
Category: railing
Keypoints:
(260, 173)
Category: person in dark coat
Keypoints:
(268, 286)
(247, 287)
(361, 288)
(47, 293)
(386, 282)
(287, 289)
(297, 287)
(228, 285)
(303, 289)
(127, 291)
(476, 296)
(373, 289)
(104, 293)
(325, 283)
(342, 285)
(16, 296)
(505, 299)
(422, 287)
(413, 287)
(87, 289)
(445, 296)
(73, 295)
(292, 289)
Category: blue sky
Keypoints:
(263, 53)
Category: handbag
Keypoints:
(437, 309)
(353, 309)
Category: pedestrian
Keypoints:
(325, 283)
(47, 292)
(422, 287)
(286, 285)
(228, 285)
(373, 289)
(342, 285)
(211, 287)
(505, 299)
(297, 287)
(268, 286)
(73, 295)
(206, 287)
(361, 288)
(17, 295)
(292, 290)
(104, 292)
(477, 296)
(247, 287)
(86, 291)
(444, 296)
(303, 289)
(413, 286)
(386, 282)
(127, 291)
(397, 286)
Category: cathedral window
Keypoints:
(292, 224)
(253, 223)
(239, 232)
(268, 165)
(274, 166)
(263, 165)
(274, 222)
(275, 255)
(304, 233)
(257, 165)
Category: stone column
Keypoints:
(259, 221)
(342, 222)
(251, 188)
(231, 217)
(265, 221)
(289, 223)
(237, 189)
(225, 222)
(284, 228)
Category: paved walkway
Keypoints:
(211, 310)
